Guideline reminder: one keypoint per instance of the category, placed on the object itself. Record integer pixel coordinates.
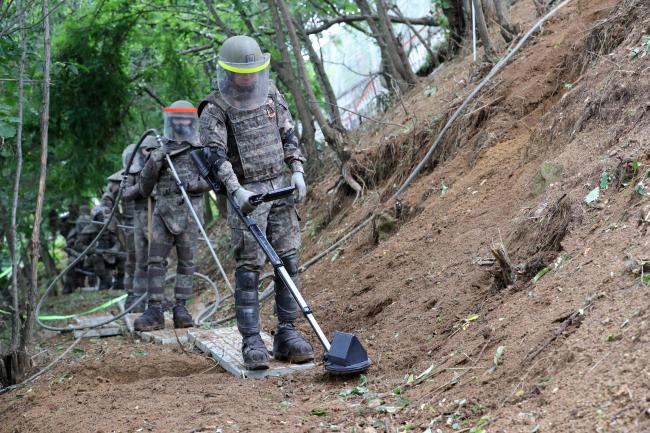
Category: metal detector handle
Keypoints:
(201, 160)
(276, 194)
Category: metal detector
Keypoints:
(346, 354)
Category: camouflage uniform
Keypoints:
(101, 261)
(74, 277)
(117, 261)
(137, 204)
(252, 148)
(172, 224)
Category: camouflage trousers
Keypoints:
(162, 241)
(129, 246)
(141, 250)
(104, 270)
(278, 219)
(73, 278)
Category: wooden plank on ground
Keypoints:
(224, 345)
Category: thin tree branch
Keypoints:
(360, 115)
(326, 24)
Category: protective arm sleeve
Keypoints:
(150, 172)
(214, 135)
(197, 186)
(131, 189)
(293, 157)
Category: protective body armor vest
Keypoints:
(254, 144)
(170, 204)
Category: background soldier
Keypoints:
(115, 261)
(106, 255)
(75, 278)
(128, 211)
(132, 194)
(172, 223)
(247, 123)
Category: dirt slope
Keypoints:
(514, 171)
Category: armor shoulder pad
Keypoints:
(212, 98)
(116, 177)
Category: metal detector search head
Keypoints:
(346, 355)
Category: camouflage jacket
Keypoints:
(156, 179)
(255, 144)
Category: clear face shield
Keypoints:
(244, 86)
(181, 124)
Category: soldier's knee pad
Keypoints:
(286, 307)
(291, 264)
(247, 302)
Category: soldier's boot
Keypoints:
(69, 283)
(104, 282)
(139, 288)
(118, 284)
(288, 343)
(130, 299)
(152, 319)
(182, 317)
(254, 352)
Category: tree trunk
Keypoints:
(455, 13)
(333, 137)
(13, 230)
(424, 42)
(388, 68)
(483, 31)
(308, 134)
(323, 79)
(541, 6)
(508, 29)
(395, 45)
(40, 198)
(286, 74)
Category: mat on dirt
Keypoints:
(108, 330)
(169, 335)
(224, 345)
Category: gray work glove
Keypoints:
(242, 199)
(298, 180)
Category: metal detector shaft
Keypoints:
(198, 221)
(281, 272)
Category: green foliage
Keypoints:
(90, 96)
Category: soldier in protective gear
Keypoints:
(108, 199)
(134, 207)
(248, 126)
(106, 255)
(132, 193)
(172, 224)
(74, 277)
